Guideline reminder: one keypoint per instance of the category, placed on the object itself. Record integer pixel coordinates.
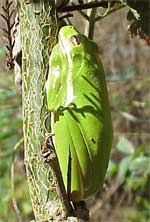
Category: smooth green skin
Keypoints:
(81, 120)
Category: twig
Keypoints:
(90, 23)
(84, 15)
(108, 12)
(17, 211)
(121, 199)
(89, 5)
(70, 210)
(7, 16)
(50, 157)
(133, 118)
(111, 192)
(68, 15)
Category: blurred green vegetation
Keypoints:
(10, 133)
(132, 172)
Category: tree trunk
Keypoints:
(38, 30)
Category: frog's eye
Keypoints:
(75, 39)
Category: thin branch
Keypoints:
(12, 13)
(84, 15)
(109, 12)
(90, 24)
(4, 17)
(17, 211)
(49, 155)
(89, 5)
(7, 15)
(3, 29)
(133, 118)
(68, 15)
(109, 194)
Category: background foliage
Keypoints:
(125, 195)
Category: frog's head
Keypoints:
(70, 39)
(73, 42)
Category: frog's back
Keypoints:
(94, 119)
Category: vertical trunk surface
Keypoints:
(38, 30)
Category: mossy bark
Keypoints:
(38, 31)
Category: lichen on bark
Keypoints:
(38, 31)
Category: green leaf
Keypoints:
(140, 164)
(5, 133)
(136, 182)
(125, 146)
(141, 150)
(124, 168)
(112, 169)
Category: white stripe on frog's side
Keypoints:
(70, 96)
(66, 50)
(56, 73)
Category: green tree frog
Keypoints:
(80, 113)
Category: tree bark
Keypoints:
(38, 30)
